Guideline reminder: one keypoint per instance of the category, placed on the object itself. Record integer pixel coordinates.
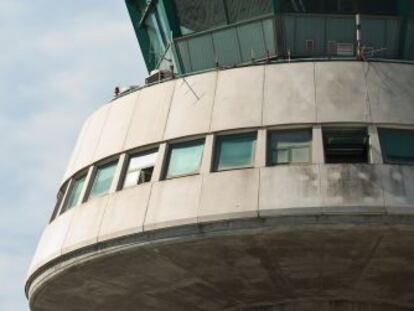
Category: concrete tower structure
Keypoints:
(266, 165)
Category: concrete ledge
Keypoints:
(186, 250)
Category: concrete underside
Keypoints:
(290, 264)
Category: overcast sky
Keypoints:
(59, 61)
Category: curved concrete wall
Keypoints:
(256, 96)
(253, 97)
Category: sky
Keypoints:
(59, 61)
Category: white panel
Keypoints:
(125, 212)
(289, 94)
(289, 189)
(75, 153)
(391, 92)
(150, 115)
(116, 126)
(192, 104)
(239, 98)
(231, 194)
(349, 188)
(341, 91)
(173, 202)
(91, 138)
(51, 241)
(85, 224)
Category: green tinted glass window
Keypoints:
(103, 179)
(397, 145)
(74, 194)
(286, 147)
(234, 151)
(184, 158)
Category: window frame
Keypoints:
(60, 201)
(385, 160)
(288, 130)
(167, 157)
(215, 154)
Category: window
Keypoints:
(140, 168)
(103, 179)
(234, 151)
(345, 145)
(199, 15)
(184, 158)
(292, 146)
(397, 145)
(59, 198)
(73, 197)
(239, 10)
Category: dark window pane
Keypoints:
(397, 145)
(345, 145)
(234, 151)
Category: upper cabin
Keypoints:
(196, 35)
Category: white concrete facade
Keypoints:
(257, 98)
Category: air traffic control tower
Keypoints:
(266, 165)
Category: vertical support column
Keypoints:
(88, 182)
(161, 162)
(260, 155)
(375, 154)
(208, 154)
(318, 156)
(120, 168)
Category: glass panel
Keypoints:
(234, 151)
(239, 10)
(289, 147)
(185, 158)
(74, 195)
(281, 156)
(199, 15)
(300, 155)
(397, 145)
(103, 179)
